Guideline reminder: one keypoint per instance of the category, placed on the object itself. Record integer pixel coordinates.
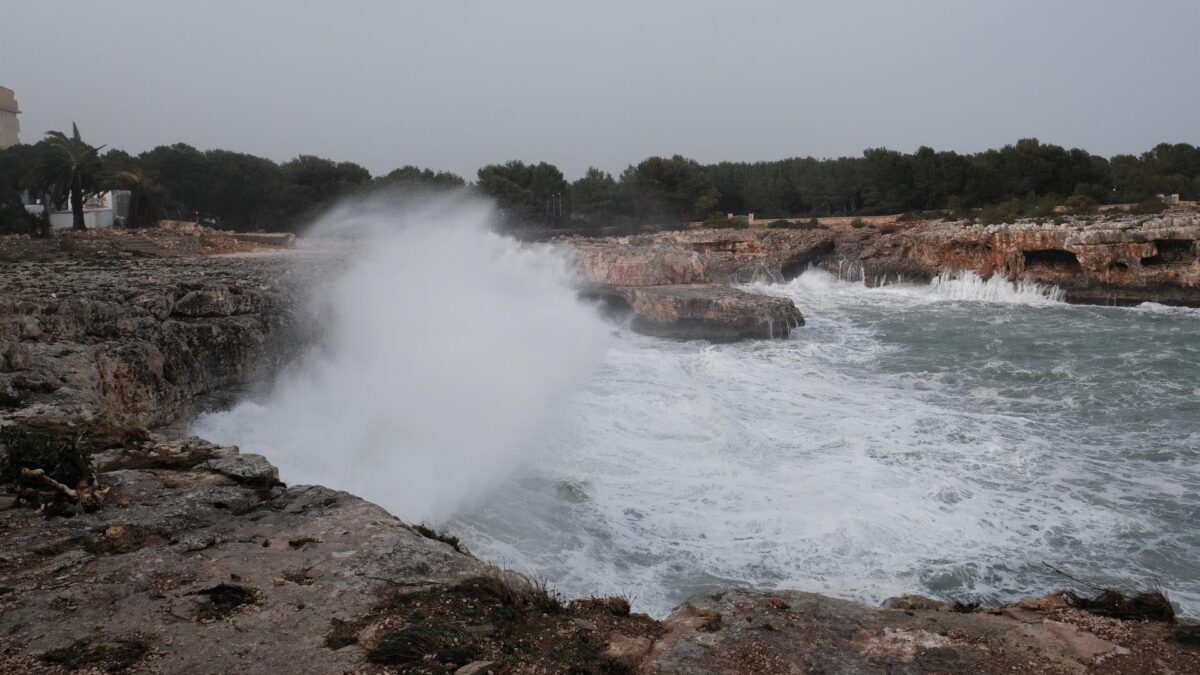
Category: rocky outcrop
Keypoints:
(141, 341)
(193, 568)
(748, 631)
(675, 282)
(699, 256)
(708, 311)
(1115, 259)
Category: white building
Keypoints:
(103, 210)
(10, 127)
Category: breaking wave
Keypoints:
(938, 439)
(446, 351)
(970, 286)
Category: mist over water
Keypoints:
(446, 350)
(942, 439)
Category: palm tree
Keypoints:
(145, 198)
(69, 167)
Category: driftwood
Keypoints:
(88, 494)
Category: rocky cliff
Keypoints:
(140, 341)
(676, 283)
(1114, 259)
(194, 558)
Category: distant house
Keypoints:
(103, 210)
(10, 127)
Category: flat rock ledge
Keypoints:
(704, 312)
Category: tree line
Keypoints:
(240, 191)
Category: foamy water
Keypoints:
(943, 439)
(447, 352)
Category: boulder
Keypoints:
(708, 312)
(674, 282)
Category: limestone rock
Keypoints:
(198, 557)
(247, 468)
(1119, 259)
(708, 311)
(627, 651)
(813, 633)
(698, 256)
(673, 282)
(216, 300)
(117, 569)
(109, 334)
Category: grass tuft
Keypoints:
(515, 590)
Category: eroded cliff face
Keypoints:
(1118, 259)
(699, 256)
(676, 283)
(1109, 259)
(141, 341)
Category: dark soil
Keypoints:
(223, 599)
(110, 657)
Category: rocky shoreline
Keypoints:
(1107, 260)
(199, 560)
(1116, 259)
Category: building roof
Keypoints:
(8, 102)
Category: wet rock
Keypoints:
(673, 282)
(710, 312)
(912, 602)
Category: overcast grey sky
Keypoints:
(455, 85)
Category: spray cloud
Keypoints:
(446, 350)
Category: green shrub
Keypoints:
(1148, 207)
(788, 225)
(720, 221)
(1080, 204)
(857, 223)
